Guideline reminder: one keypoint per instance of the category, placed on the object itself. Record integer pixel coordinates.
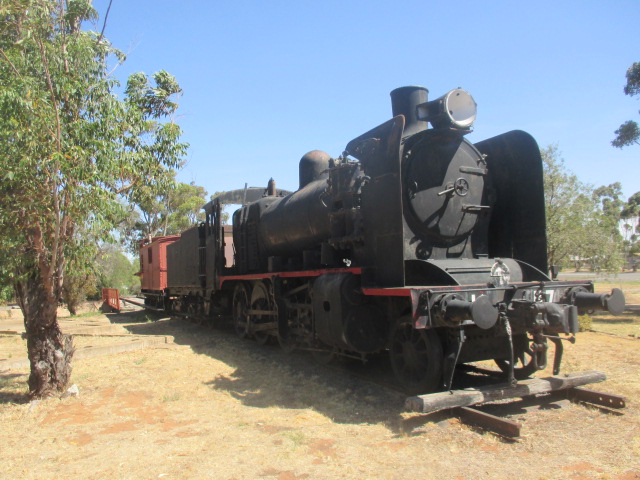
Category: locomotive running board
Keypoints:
(473, 396)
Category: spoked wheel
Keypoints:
(295, 317)
(524, 365)
(260, 300)
(240, 311)
(416, 358)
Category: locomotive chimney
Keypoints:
(271, 188)
(404, 101)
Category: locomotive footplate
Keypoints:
(461, 401)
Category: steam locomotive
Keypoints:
(414, 241)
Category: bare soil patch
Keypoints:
(214, 406)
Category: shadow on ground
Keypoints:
(347, 391)
(12, 388)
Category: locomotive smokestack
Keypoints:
(271, 188)
(404, 101)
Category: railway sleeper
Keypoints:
(468, 404)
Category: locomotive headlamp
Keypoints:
(455, 109)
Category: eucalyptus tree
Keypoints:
(70, 151)
(630, 220)
(582, 222)
(629, 132)
(163, 213)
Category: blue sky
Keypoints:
(266, 82)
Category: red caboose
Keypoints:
(153, 269)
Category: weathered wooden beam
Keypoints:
(472, 396)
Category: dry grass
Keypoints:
(631, 289)
(14, 347)
(214, 406)
(628, 324)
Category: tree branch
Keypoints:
(104, 24)
(53, 265)
(54, 103)
(64, 37)
(15, 70)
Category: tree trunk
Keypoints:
(50, 351)
(72, 307)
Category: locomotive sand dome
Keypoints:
(414, 241)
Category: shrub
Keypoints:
(585, 323)
(6, 294)
(77, 286)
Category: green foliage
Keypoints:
(114, 270)
(630, 225)
(632, 207)
(6, 294)
(609, 198)
(633, 80)
(582, 223)
(173, 397)
(629, 132)
(585, 323)
(79, 282)
(71, 151)
(168, 213)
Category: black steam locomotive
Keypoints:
(414, 241)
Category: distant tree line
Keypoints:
(585, 225)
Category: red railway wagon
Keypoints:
(153, 269)
(155, 258)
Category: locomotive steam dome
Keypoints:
(312, 165)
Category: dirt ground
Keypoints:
(213, 406)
